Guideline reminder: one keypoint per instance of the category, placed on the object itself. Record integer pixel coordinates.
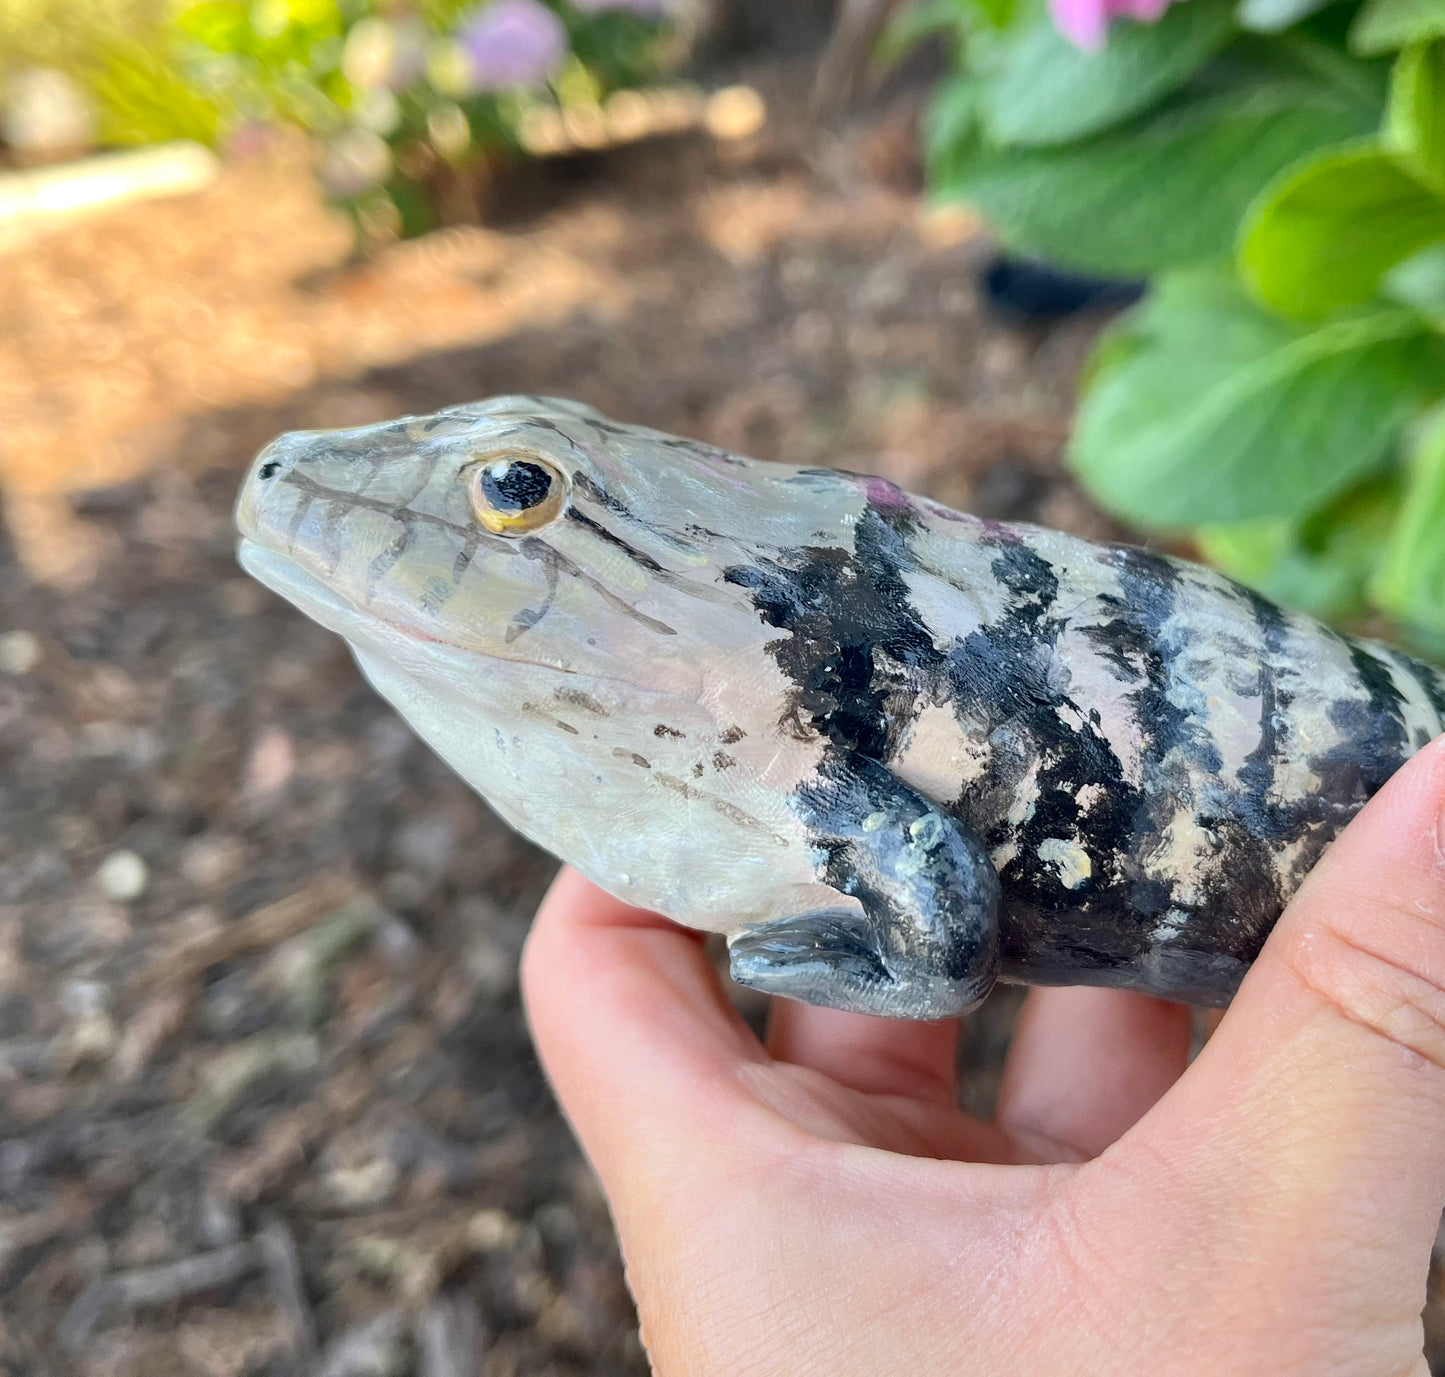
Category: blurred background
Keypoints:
(267, 1104)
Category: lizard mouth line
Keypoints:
(339, 614)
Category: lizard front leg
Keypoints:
(920, 940)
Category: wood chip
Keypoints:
(282, 1146)
(154, 1286)
(449, 1337)
(372, 1348)
(146, 1031)
(282, 1266)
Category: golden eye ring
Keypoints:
(513, 493)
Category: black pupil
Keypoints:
(517, 486)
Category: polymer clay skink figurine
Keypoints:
(892, 751)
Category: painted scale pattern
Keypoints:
(892, 750)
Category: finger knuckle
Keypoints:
(1394, 989)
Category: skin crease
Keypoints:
(819, 1206)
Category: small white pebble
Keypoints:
(19, 652)
(123, 876)
(365, 1185)
(90, 1041)
(84, 998)
(92, 1034)
(735, 112)
(272, 762)
(492, 1230)
(395, 941)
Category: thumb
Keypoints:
(1319, 1105)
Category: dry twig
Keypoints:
(154, 1286)
(263, 928)
(282, 1266)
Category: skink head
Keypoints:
(529, 530)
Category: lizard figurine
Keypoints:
(892, 751)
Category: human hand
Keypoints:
(819, 1205)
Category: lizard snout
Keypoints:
(267, 469)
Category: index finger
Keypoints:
(1323, 1091)
(664, 1082)
(634, 1028)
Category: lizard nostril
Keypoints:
(268, 470)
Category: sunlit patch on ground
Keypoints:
(113, 331)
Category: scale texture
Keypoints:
(892, 751)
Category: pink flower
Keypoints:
(1085, 23)
(512, 43)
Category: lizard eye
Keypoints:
(512, 494)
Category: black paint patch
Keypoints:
(1257, 774)
(1007, 674)
(1238, 880)
(929, 895)
(1432, 681)
(589, 487)
(1373, 732)
(856, 645)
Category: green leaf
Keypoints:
(221, 25)
(1311, 49)
(912, 24)
(1044, 90)
(1383, 26)
(1321, 563)
(142, 95)
(1164, 191)
(1224, 413)
(1411, 582)
(952, 118)
(1419, 282)
(999, 13)
(1324, 232)
(1271, 16)
(1415, 122)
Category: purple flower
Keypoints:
(512, 43)
(1085, 23)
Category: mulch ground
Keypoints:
(267, 1101)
